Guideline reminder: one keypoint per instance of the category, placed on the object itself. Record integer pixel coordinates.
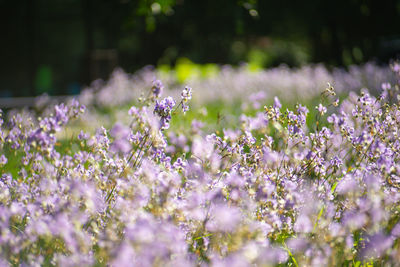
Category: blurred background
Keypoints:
(60, 46)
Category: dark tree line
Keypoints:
(60, 45)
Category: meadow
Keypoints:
(207, 166)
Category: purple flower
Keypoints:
(125, 256)
(303, 224)
(273, 255)
(256, 98)
(157, 88)
(186, 94)
(164, 108)
(297, 245)
(3, 160)
(321, 109)
(277, 103)
(179, 164)
(386, 86)
(336, 162)
(61, 115)
(83, 136)
(234, 260)
(347, 184)
(376, 245)
(224, 218)
(396, 231)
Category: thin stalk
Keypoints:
(140, 150)
(141, 144)
(290, 253)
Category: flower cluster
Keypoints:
(164, 108)
(288, 185)
(157, 88)
(186, 96)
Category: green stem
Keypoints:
(290, 253)
(140, 150)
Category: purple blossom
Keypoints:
(186, 95)
(303, 224)
(336, 162)
(376, 245)
(321, 109)
(347, 184)
(164, 108)
(3, 160)
(120, 133)
(224, 218)
(157, 88)
(277, 103)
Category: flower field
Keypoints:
(282, 167)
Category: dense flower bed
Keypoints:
(280, 187)
(231, 83)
